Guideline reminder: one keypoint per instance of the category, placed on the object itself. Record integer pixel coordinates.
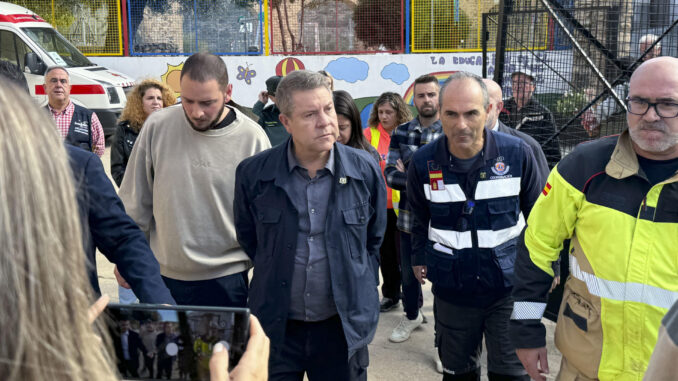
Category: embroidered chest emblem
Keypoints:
(500, 168)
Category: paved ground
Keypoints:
(412, 359)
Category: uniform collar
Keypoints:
(489, 151)
(623, 162)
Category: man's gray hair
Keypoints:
(56, 67)
(298, 80)
(464, 75)
(649, 39)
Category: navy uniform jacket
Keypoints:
(467, 225)
(267, 222)
(107, 227)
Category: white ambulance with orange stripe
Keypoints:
(31, 43)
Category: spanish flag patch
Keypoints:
(547, 189)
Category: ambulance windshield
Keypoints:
(58, 48)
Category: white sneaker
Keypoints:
(405, 327)
(436, 360)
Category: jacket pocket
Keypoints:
(503, 213)
(579, 334)
(505, 258)
(268, 226)
(355, 233)
(442, 268)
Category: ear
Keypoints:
(228, 93)
(285, 120)
(489, 108)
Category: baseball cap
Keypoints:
(272, 84)
(527, 72)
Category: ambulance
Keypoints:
(34, 45)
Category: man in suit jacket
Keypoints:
(128, 346)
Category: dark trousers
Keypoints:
(459, 338)
(129, 368)
(227, 291)
(413, 299)
(165, 367)
(148, 365)
(318, 349)
(389, 254)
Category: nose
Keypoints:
(651, 114)
(196, 112)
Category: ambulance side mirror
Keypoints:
(34, 63)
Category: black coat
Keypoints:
(121, 149)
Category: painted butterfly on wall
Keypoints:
(246, 74)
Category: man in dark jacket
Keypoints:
(107, 227)
(311, 215)
(470, 192)
(524, 113)
(269, 116)
(105, 224)
(128, 347)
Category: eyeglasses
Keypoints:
(664, 109)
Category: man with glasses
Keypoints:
(617, 199)
(469, 194)
(524, 113)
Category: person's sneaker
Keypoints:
(404, 329)
(436, 360)
(388, 304)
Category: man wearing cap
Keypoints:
(269, 117)
(524, 113)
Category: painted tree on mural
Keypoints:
(378, 23)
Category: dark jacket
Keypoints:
(541, 165)
(134, 346)
(467, 225)
(121, 149)
(108, 228)
(269, 120)
(535, 120)
(267, 223)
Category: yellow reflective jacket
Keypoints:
(623, 262)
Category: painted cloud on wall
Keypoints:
(396, 72)
(350, 70)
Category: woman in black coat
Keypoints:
(148, 96)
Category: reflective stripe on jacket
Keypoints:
(380, 140)
(623, 263)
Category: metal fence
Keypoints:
(93, 26)
(581, 54)
(183, 27)
(336, 26)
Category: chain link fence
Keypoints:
(581, 54)
(93, 26)
(336, 26)
(184, 27)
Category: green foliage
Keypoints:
(571, 102)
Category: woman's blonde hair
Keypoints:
(44, 289)
(133, 113)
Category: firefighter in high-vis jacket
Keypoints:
(617, 198)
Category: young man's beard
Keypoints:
(212, 124)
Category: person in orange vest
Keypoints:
(388, 112)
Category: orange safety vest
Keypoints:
(380, 140)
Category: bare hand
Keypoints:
(254, 363)
(121, 281)
(535, 361)
(420, 273)
(556, 282)
(400, 166)
(97, 308)
(263, 97)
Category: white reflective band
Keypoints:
(623, 291)
(498, 188)
(443, 249)
(451, 193)
(527, 310)
(487, 239)
(450, 238)
(491, 238)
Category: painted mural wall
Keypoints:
(363, 76)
